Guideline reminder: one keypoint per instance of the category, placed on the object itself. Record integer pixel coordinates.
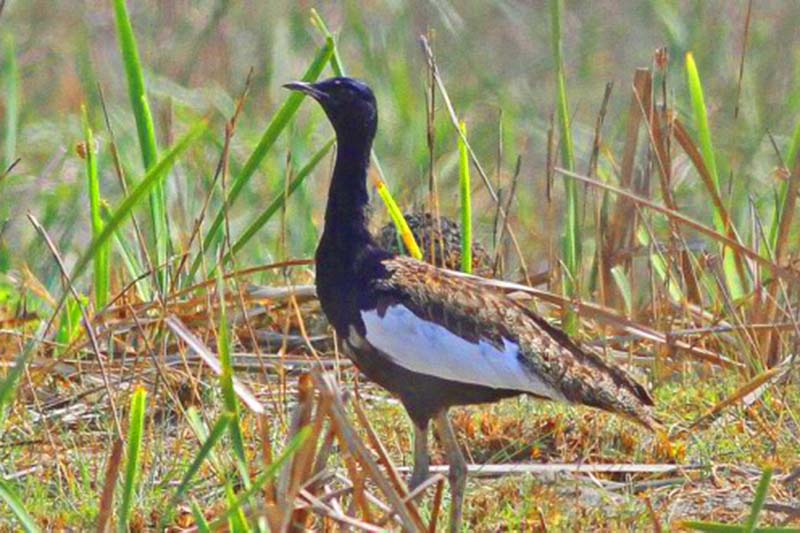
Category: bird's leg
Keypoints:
(422, 459)
(458, 469)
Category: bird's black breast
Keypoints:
(345, 283)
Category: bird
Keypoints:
(433, 337)
(439, 240)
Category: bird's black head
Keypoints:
(349, 104)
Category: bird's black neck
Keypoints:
(346, 241)
(346, 213)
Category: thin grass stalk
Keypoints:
(733, 280)
(201, 432)
(278, 202)
(266, 476)
(621, 228)
(769, 339)
(109, 484)
(145, 131)
(293, 478)
(681, 135)
(11, 101)
(395, 213)
(146, 290)
(571, 243)
(101, 264)
(430, 142)
(466, 202)
(135, 434)
(783, 191)
(600, 208)
(761, 381)
(144, 187)
(659, 137)
(451, 112)
(129, 256)
(274, 129)
(682, 219)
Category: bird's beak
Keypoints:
(307, 88)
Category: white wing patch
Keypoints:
(428, 348)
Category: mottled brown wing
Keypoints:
(474, 311)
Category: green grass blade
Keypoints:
(275, 127)
(144, 127)
(758, 500)
(135, 434)
(101, 264)
(136, 88)
(199, 519)
(618, 273)
(466, 202)
(279, 200)
(571, 243)
(129, 256)
(198, 426)
(237, 521)
(718, 527)
(399, 220)
(8, 496)
(12, 102)
(701, 117)
(9, 384)
(711, 527)
(217, 432)
(271, 471)
(661, 267)
(336, 61)
(145, 186)
(733, 281)
(69, 327)
(226, 382)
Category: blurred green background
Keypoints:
(495, 58)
